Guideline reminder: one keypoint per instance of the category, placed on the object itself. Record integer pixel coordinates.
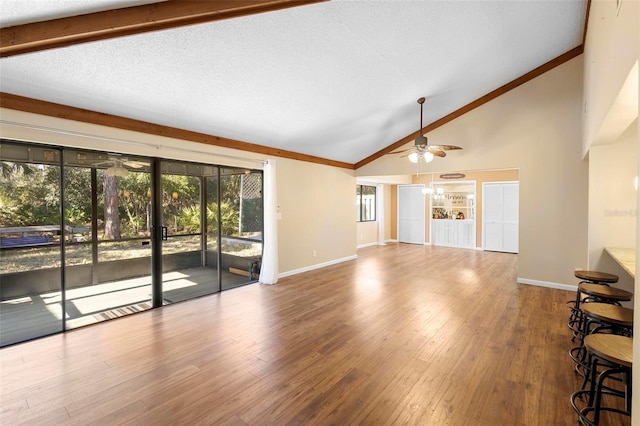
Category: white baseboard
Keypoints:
(391, 241)
(317, 266)
(367, 245)
(547, 284)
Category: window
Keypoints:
(366, 203)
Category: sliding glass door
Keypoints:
(186, 273)
(89, 236)
(241, 225)
(30, 243)
(107, 200)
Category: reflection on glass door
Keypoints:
(107, 238)
(241, 226)
(185, 274)
(30, 249)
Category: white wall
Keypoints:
(535, 128)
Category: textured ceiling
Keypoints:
(337, 80)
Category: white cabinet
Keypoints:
(453, 233)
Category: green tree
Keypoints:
(29, 195)
(111, 210)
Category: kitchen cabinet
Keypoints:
(453, 233)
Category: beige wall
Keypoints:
(535, 128)
(611, 49)
(613, 202)
(367, 233)
(318, 213)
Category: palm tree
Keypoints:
(8, 169)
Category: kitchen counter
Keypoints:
(625, 257)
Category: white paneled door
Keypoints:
(500, 201)
(410, 214)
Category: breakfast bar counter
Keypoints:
(625, 257)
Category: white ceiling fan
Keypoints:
(422, 149)
(118, 166)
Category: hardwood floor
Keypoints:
(403, 335)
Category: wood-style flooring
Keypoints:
(405, 334)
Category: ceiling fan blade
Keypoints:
(443, 147)
(400, 152)
(438, 153)
(134, 164)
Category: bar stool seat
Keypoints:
(596, 277)
(615, 354)
(600, 317)
(605, 293)
(585, 277)
(593, 293)
(607, 313)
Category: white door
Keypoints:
(410, 214)
(500, 201)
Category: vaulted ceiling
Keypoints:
(332, 81)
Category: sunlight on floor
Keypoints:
(17, 301)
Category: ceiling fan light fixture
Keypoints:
(428, 156)
(413, 157)
(117, 170)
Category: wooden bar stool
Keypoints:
(594, 293)
(600, 318)
(614, 354)
(595, 277)
(586, 277)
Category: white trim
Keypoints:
(380, 213)
(391, 241)
(367, 245)
(317, 266)
(547, 284)
(127, 142)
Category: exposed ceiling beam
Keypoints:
(62, 32)
(475, 104)
(35, 106)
